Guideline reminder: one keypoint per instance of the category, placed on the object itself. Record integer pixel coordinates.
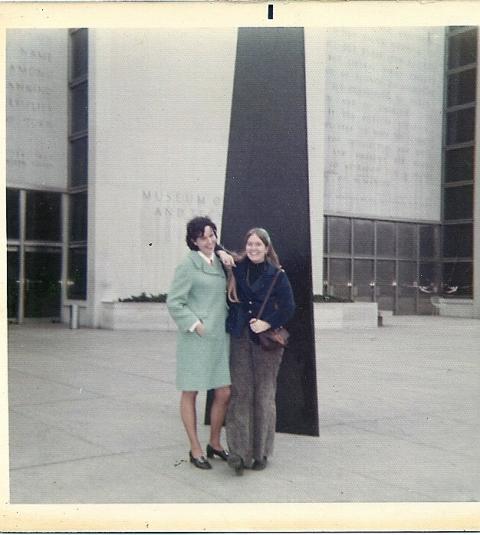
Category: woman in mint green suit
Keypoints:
(197, 303)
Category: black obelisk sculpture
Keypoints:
(267, 186)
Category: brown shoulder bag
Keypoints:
(272, 339)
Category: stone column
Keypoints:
(315, 59)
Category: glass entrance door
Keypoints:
(13, 281)
(43, 270)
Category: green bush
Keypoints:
(144, 298)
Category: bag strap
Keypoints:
(260, 312)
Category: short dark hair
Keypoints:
(196, 228)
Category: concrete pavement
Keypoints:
(94, 419)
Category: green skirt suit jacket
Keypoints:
(198, 292)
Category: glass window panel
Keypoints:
(457, 278)
(13, 214)
(460, 125)
(340, 270)
(407, 278)
(340, 239)
(428, 277)
(340, 290)
(385, 272)
(461, 87)
(363, 276)
(459, 164)
(462, 49)
(458, 202)
(77, 273)
(43, 216)
(78, 217)
(429, 241)
(363, 293)
(79, 41)
(325, 235)
(363, 237)
(79, 107)
(384, 290)
(458, 241)
(363, 271)
(79, 161)
(12, 283)
(407, 273)
(406, 288)
(384, 296)
(385, 238)
(407, 240)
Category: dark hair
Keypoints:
(196, 228)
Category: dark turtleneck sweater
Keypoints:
(254, 271)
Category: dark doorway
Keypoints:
(12, 283)
(43, 270)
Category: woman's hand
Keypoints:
(226, 259)
(200, 329)
(259, 326)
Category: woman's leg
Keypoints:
(217, 415)
(240, 410)
(266, 367)
(189, 419)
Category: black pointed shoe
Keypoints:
(223, 454)
(259, 465)
(199, 462)
(236, 463)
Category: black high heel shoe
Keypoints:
(200, 462)
(236, 463)
(223, 454)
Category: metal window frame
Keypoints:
(375, 257)
(452, 146)
(72, 190)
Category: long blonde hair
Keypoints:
(271, 257)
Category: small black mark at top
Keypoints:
(150, 244)
(270, 11)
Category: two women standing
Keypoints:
(197, 302)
